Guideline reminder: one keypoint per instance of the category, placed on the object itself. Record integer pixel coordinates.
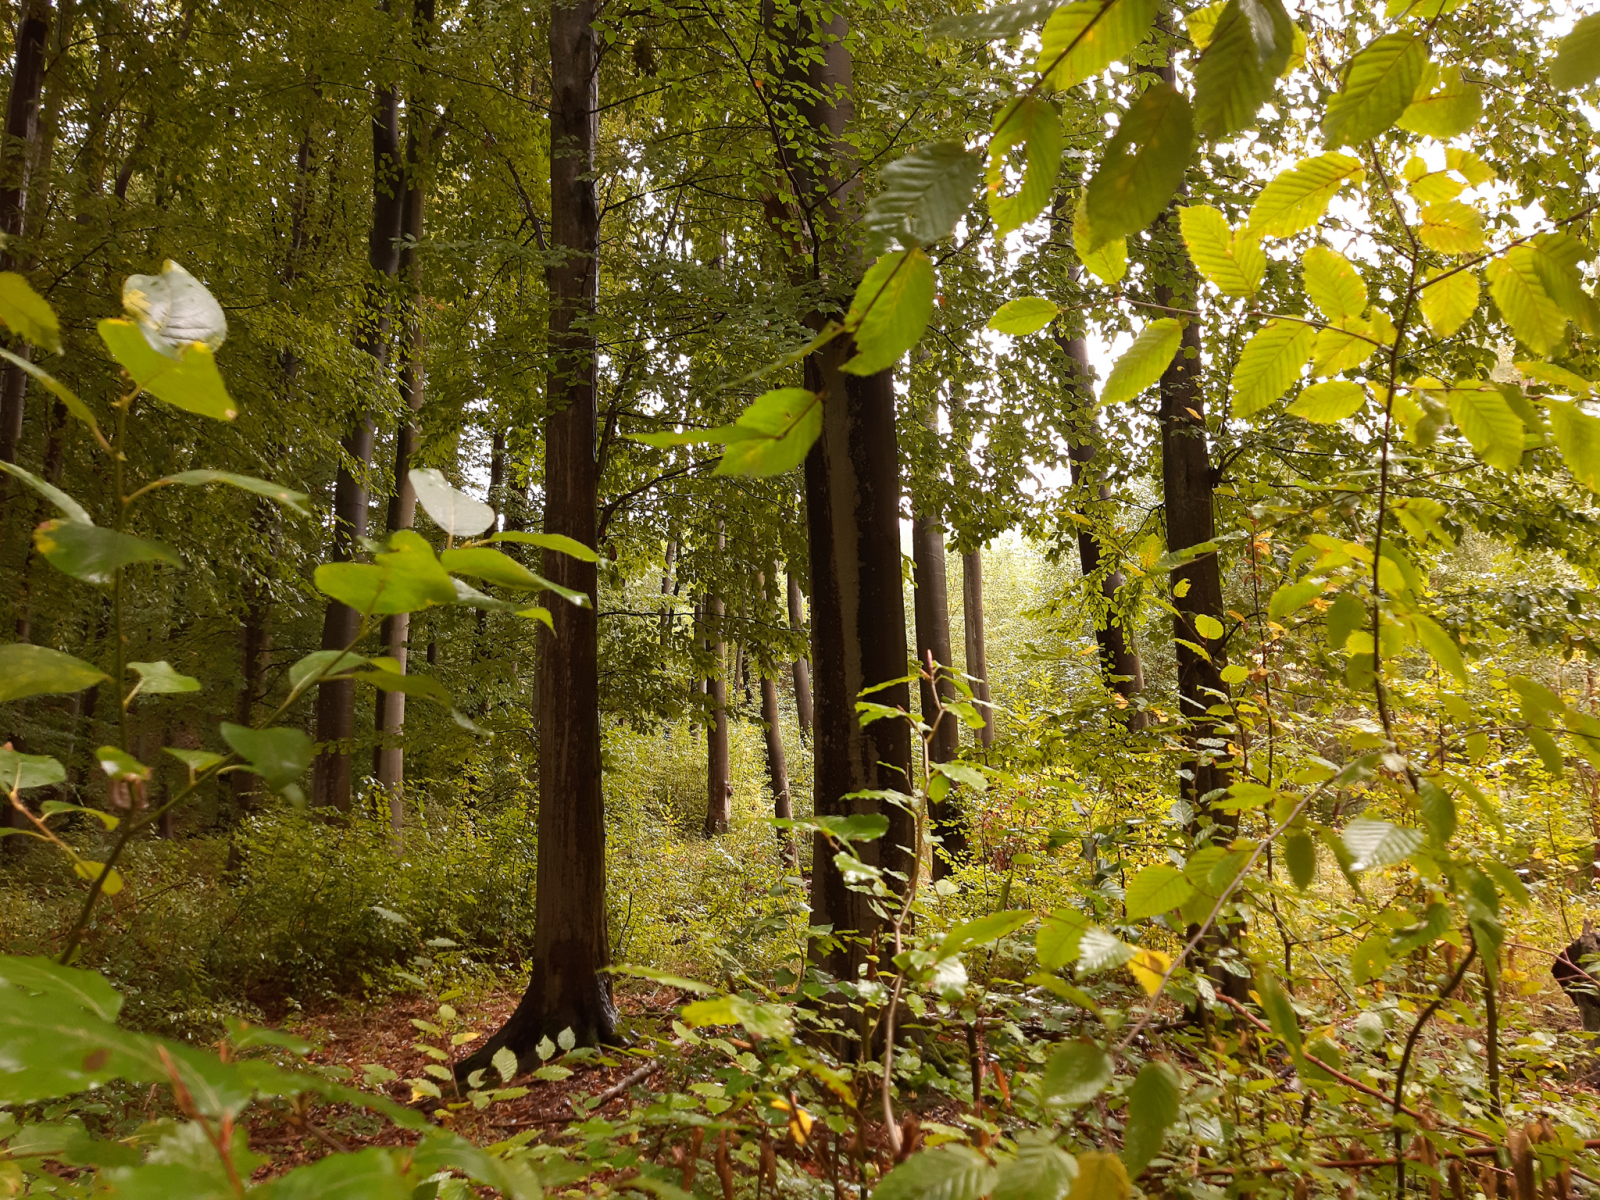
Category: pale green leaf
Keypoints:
(27, 314)
(1577, 436)
(1448, 299)
(1378, 843)
(1006, 21)
(558, 542)
(1041, 1170)
(1035, 125)
(1342, 346)
(279, 756)
(1247, 50)
(1578, 60)
(982, 931)
(1330, 401)
(1518, 291)
(1451, 227)
(1074, 1074)
(1081, 40)
(1144, 362)
(1333, 284)
(1108, 263)
(159, 678)
(951, 1172)
(65, 503)
(776, 432)
(1208, 627)
(19, 771)
(1143, 165)
(1297, 198)
(924, 194)
(174, 310)
(452, 510)
(890, 310)
(1270, 363)
(1234, 263)
(1024, 315)
(190, 381)
(93, 554)
(1153, 1104)
(1445, 111)
(1101, 1176)
(287, 497)
(1441, 647)
(1156, 889)
(1378, 85)
(1489, 424)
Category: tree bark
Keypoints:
(802, 667)
(567, 988)
(667, 590)
(719, 790)
(17, 160)
(330, 780)
(1119, 660)
(977, 652)
(932, 609)
(777, 762)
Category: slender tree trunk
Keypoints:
(330, 782)
(719, 789)
(977, 652)
(932, 608)
(802, 667)
(17, 159)
(777, 761)
(666, 590)
(1119, 659)
(567, 988)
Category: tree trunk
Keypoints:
(17, 160)
(667, 590)
(571, 944)
(719, 789)
(802, 667)
(1119, 660)
(777, 761)
(330, 781)
(977, 653)
(932, 608)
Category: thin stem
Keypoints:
(1405, 1065)
(121, 649)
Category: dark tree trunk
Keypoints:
(932, 608)
(719, 789)
(777, 767)
(802, 667)
(571, 945)
(667, 590)
(977, 652)
(1119, 660)
(330, 781)
(17, 160)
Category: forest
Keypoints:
(810, 599)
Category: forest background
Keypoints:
(1040, 562)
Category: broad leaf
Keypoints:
(1448, 299)
(1006, 21)
(1297, 198)
(1153, 1104)
(1233, 262)
(28, 670)
(1487, 421)
(1144, 362)
(383, 677)
(1441, 647)
(70, 508)
(287, 497)
(1270, 363)
(1101, 951)
(27, 314)
(1518, 290)
(279, 756)
(1101, 1176)
(1108, 263)
(404, 578)
(1578, 60)
(174, 310)
(190, 381)
(1035, 125)
(924, 194)
(1300, 856)
(1378, 843)
(774, 434)
(945, 1173)
(1343, 346)
(76, 407)
(1330, 401)
(1451, 227)
(1081, 40)
(1024, 315)
(71, 986)
(1156, 889)
(93, 554)
(1143, 165)
(1041, 1170)
(1075, 1074)
(158, 678)
(20, 771)
(1333, 284)
(1246, 52)
(1292, 597)
(982, 931)
(1378, 85)
(1446, 111)
(890, 310)
(481, 562)
(452, 510)
(558, 542)
(1576, 435)
(1557, 258)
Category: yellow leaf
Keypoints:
(1150, 967)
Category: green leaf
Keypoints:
(1101, 1176)
(336, 662)
(1578, 58)
(1143, 363)
(890, 310)
(1379, 84)
(1448, 299)
(404, 578)
(1156, 889)
(28, 670)
(387, 680)
(982, 931)
(1378, 843)
(1438, 810)
(944, 1173)
(1208, 627)
(480, 562)
(287, 497)
(558, 542)
(159, 678)
(925, 193)
(78, 989)
(1041, 1170)
(93, 554)
(1036, 125)
(1557, 377)
(452, 510)
(1300, 856)
(1075, 1074)
(190, 381)
(1346, 616)
(280, 755)
(1447, 112)
(1333, 284)
(174, 310)
(1248, 49)
(1518, 290)
(1101, 951)
(1024, 315)
(1280, 1012)
(1143, 165)
(1557, 258)
(1441, 647)
(1004, 22)
(1486, 420)
(1056, 942)
(1451, 227)
(1342, 346)
(27, 314)
(1297, 198)
(73, 510)
(195, 760)
(1270, 362)
(1233, 262)
(1081, 40)
(775, 433)
(1153, 1103)
(20, 771)
(1108, 263)
(370, 1174)
(1292, 597)
(1330, 401)
(120, 765)
(60, 391)
(1576, 435)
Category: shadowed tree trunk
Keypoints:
(567, 988)
(777, 762)
(977, 653)
(802, 668)
(719, 803)
(18, 157)
(336, 720)
(1119, 660)
(667, 591)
